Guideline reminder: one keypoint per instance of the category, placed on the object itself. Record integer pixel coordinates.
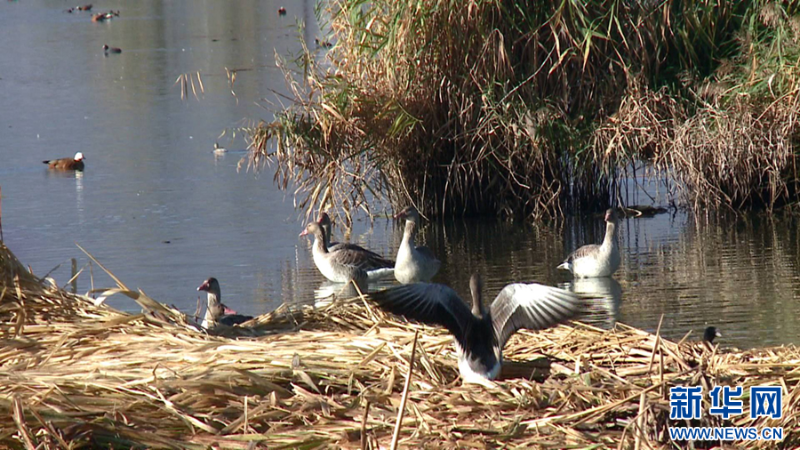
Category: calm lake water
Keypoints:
(163, 213)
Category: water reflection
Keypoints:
(328, 292)
(603, 297)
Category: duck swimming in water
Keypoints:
(74, 163)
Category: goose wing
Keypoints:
(426, 252)
(586, 250)
(372, 260)
(354, 258)
(429, 303)
(532, 306)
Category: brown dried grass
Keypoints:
(73, 374)
(535, 108)
(735, 157)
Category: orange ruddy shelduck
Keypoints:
(75, 163)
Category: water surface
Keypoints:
(163, 213)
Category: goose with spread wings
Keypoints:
(480, 333)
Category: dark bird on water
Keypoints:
(107, 49)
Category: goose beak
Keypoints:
(304, 233)
(400, 215)
(228, 311)
(203, 287)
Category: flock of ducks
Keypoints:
(480, 331)
(99, 17)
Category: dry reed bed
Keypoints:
(537, 108)
(73, 374)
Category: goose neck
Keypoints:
(477, 305)
(410, 233)
(213, 308)
(611, 235)
(320, 241)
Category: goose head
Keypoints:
(211, 286)
(324, 219)
(78, 156)
(314, 229)
(410, 214)
(611, 216)
(325, 222)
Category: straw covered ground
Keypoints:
(73, 374)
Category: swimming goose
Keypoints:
(596, 260)
(74, 163)
(342, 264)
(414, 264)
(216, 312)
(480, 334)
(107, 49)
(325, 222)
(710, 334)
(218, 149)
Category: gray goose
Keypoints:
(326, 224)
(596, 260)
(342, 264)
(74, 163)
(216, 312)
(480, 334)
(414, 264)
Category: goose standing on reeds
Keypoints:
(216, 312)
(343, 264)
(480, 334)
(414, 264)
(74, 163)
(596, 260)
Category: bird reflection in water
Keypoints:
(603, 297)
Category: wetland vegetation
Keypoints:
(534, 108)
(75, 374)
